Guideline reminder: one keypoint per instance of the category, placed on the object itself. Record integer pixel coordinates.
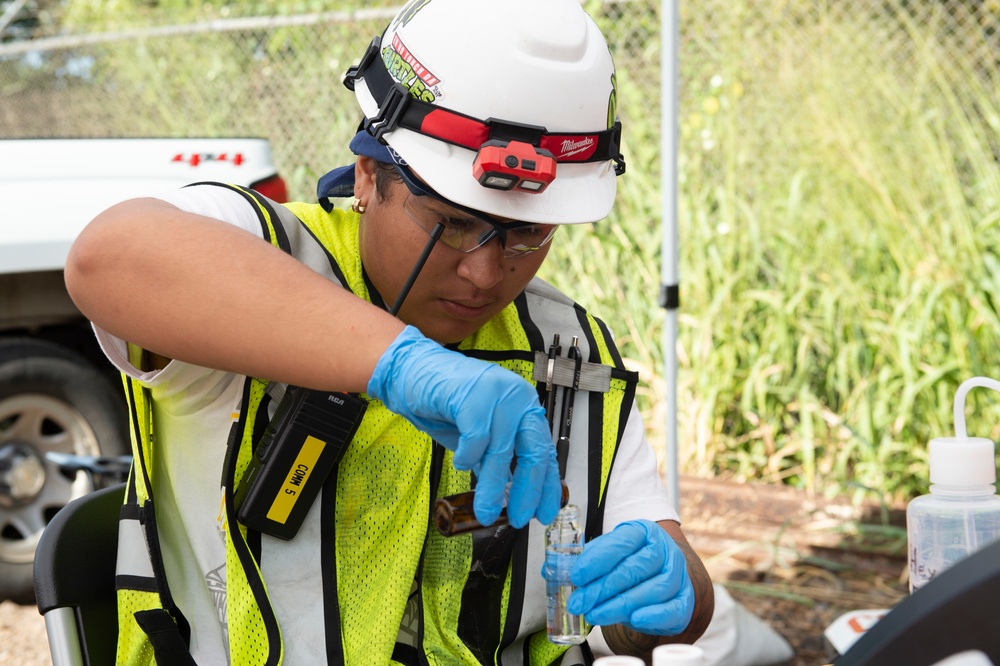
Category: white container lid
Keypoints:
(962, 461)
(678, 654)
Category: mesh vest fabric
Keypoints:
(384, 489)
(444, 571)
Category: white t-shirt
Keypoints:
(194, 409)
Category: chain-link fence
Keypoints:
(277, 77)
(769, 89)
(280, 76)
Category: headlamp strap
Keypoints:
(398, 108)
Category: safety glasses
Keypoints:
(465, 229)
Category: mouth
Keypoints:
(466, 309)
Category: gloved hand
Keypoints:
(482, 412)
(634, 575)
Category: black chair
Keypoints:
(75, 579)
(955, 612)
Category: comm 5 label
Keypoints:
(305, 463)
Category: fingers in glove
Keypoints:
(525, 493)
(655, 591)
(634, 572)
(500, 415)
(551, 501)
(473, 446)
(491, 489)
(666, 619)
(605, 553)
(537, 490)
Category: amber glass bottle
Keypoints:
(454, 515)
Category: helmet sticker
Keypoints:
(403, 66)
(407, 13)
(613, 101)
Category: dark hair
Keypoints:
(385, 174)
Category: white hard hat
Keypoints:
(476, 95)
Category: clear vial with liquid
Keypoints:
(563, 544)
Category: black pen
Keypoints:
(569, 394)
(550, 397)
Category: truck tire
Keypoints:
(51, 399)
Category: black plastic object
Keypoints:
(953, 613)
(304, 442)
(75, 568)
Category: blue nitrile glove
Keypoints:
(482, 412)
(635, 575)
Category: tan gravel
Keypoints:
(22, 636)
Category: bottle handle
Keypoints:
(960, 395)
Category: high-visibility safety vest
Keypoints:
(480, 597)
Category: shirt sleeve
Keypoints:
(635, 489)
(220, 203)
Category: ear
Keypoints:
(364, 178)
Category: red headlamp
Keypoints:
(510, 165)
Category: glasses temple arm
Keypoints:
(435, 235)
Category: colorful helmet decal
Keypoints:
(613, 101)
(407, 69)
(407, 13)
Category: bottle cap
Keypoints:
(962, 461)
(678, 654)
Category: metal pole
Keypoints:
(669, 292)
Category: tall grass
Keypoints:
(839, 201)
(839, 224)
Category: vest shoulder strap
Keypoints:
(266, 213)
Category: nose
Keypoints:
(483, 266)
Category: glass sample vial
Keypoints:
(453, 514)
(563, 544)
(962, 512)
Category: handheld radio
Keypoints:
(303, 442)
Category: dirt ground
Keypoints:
(795, 561)
(798, 562)
(22, 636)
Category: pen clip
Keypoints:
(554, 351)
(550, 397)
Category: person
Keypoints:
(417, 319)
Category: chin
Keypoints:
(448, 335)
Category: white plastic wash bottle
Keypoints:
(962, 512)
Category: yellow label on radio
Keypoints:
(304, 464)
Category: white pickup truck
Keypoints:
(57, 392)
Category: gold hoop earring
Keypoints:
(357, 207)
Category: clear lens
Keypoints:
(466, 233)
(528, 239)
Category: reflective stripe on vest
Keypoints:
(146, 612)
(365, 555)
(502, 615)
(150, 627)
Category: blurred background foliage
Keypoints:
(838, 196)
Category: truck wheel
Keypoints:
(51, 399)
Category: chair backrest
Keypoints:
(953, 613)
(75, 579)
